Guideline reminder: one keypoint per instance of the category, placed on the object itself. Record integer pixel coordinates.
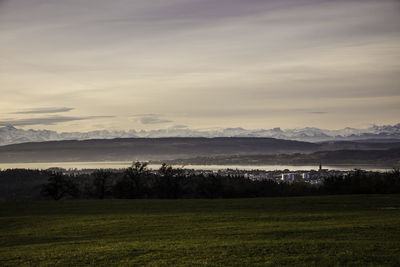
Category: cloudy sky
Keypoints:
(150, 64)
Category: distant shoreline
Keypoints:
(155, 165)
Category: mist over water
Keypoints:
(126, 164)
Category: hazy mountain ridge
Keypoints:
(386, 158)
(12, 135)
(130, 149)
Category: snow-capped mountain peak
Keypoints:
(11, 135)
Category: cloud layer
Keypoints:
(150, 119)
(201, 63)
(51, 120)
(44, 110)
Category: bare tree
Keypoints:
(101, 182)
(59, 186)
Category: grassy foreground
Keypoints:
(324, 231)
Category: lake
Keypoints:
(125, 164)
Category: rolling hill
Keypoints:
(147, 148)
(169, 148)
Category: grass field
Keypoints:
(324, 231)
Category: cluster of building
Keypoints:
(313, 177)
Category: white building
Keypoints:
(289, 177)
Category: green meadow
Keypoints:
(303, 231)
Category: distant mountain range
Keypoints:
(12, 135)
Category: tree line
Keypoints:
(138, 181)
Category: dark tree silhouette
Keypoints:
(101, 183)
(133, 182)
(209, 186)
(59, 186)
(169, 182)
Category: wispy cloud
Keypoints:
(153, 120)
(179, 126)
(47, 120)
(150, 119)
(145, 115)
(44, 110)
(318, 112)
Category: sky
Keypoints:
(153, 64)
